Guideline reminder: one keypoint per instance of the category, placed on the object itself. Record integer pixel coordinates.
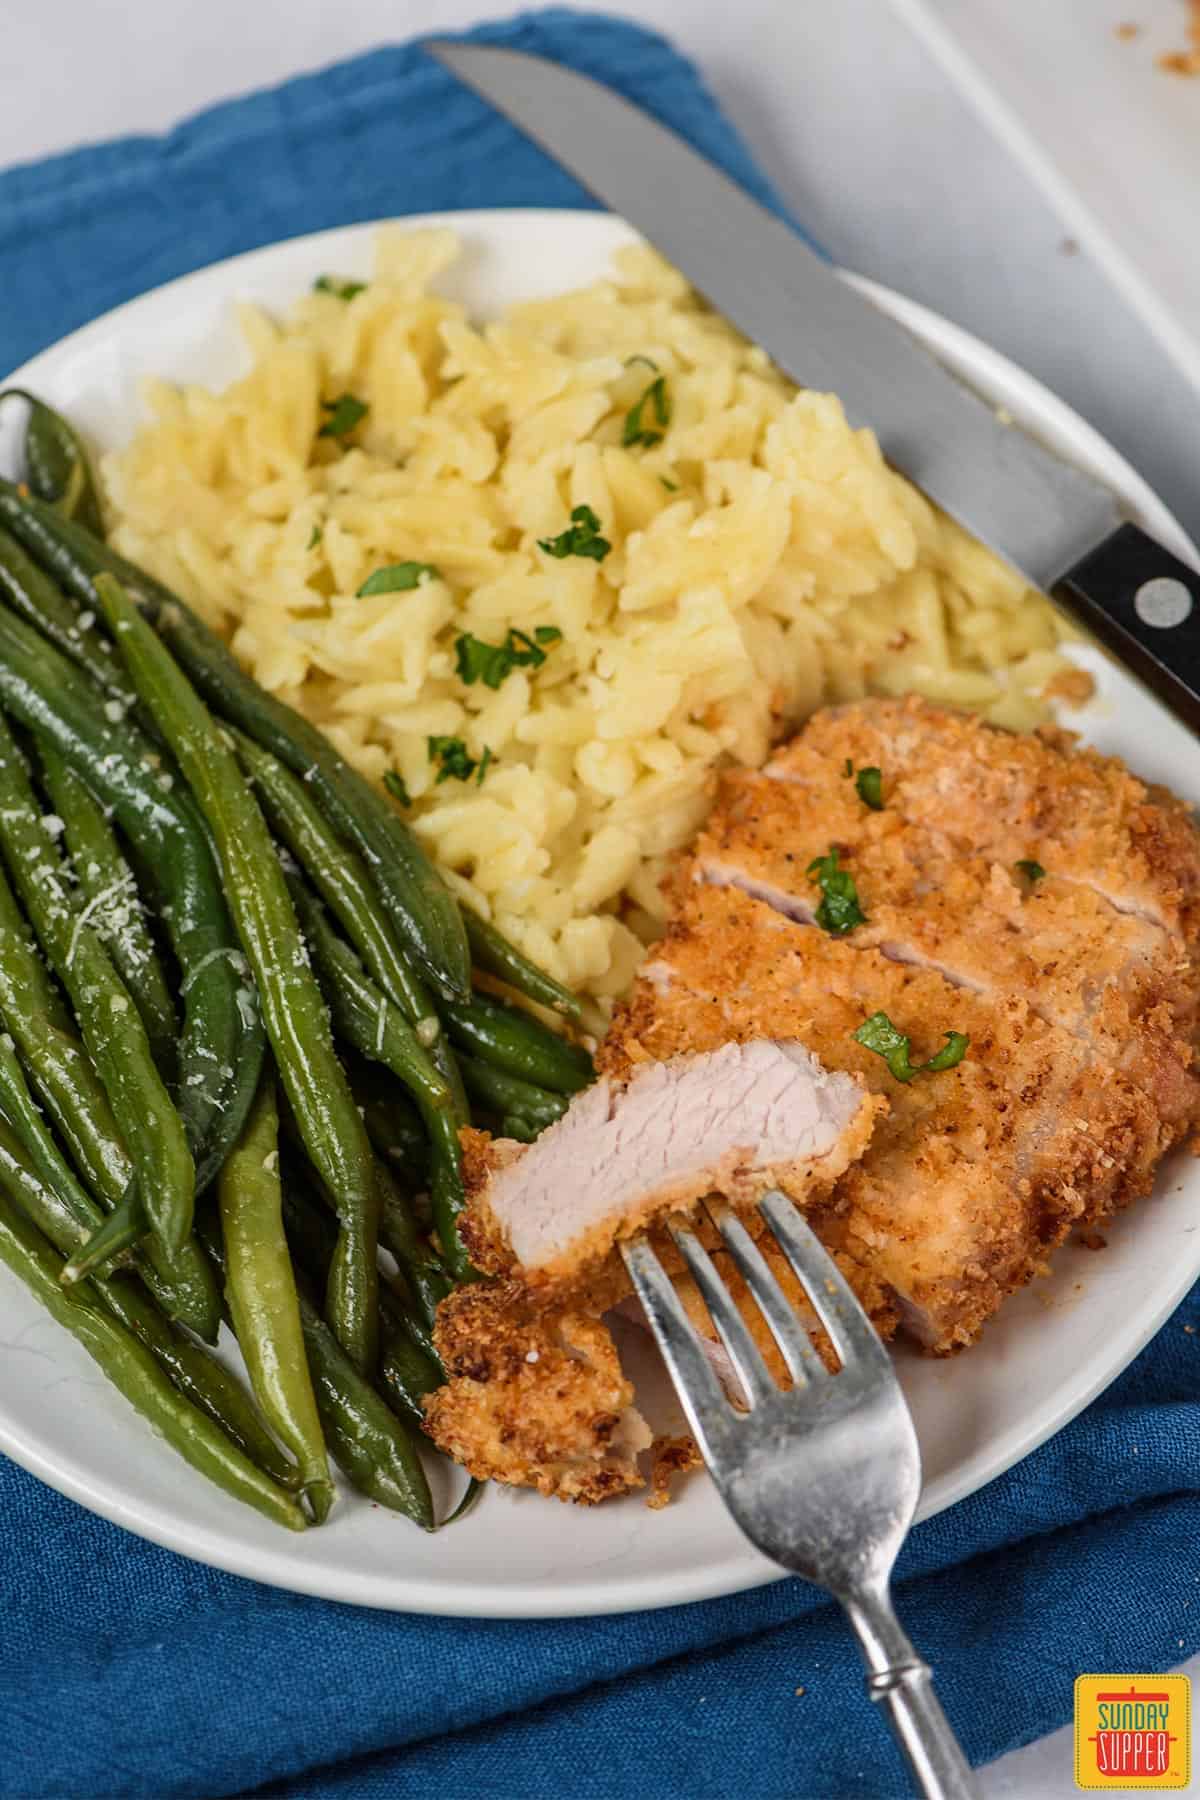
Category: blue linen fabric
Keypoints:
(130, 1671)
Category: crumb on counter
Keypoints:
(1185, 62)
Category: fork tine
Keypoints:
(695, 1382)
(744, 1353)
(794, 1342)
(854, 1337)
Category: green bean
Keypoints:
(261, 1293)
(34, 1016)
(39, 1182)
(491, 951)
(508, 1094)
(340, 877)
(515, 1041)
(20, 1111)
(113, 904)
(132, 1369)
(365, 1017)
(366, 1438)
(221, 1031)
(393, 1124)
(56, 464)
(111, 1027)
(31, 593)
(422, 908)
(296, 1020)
(408, 1368)
(363, 1014)
(367, 1441)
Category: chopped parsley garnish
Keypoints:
(341, 290)
(647, 362)
(869, 783)
(493, 663)
(1033, 870)
(672, 487)
(839, 910)
(636, 430)
(397, 578)
(581, 538)
(314, 538)
(454, 764)
(397, 787)
(879, 1034)
(345, 413)
(848, 769)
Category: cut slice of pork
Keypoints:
(735, 1121)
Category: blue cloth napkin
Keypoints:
(129, 1671)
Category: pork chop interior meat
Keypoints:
(735, 1118)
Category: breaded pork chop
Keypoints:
(1120, 982)
(1011, 796)
(975, 1173)
(1040, 900)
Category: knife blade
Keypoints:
(1060, 528)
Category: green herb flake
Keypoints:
(839, 910)
(397, 578)
(341, 290)
(484, 760)
(494, 663)
(450, 755)
(1033, 870)
(636, 430)
(345, 413)
(848, 770)
(314, 537)
(672, 487)
(581, 538)
(869, 783)
(397, 787)
(647, 362)
(879, 1034)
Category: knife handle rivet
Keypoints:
(1163, 602)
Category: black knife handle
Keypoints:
(1144, 605)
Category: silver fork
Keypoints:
(823, 1478)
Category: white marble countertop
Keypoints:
(862, 128)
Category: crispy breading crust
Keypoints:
(536, 1399)
(670, 1457)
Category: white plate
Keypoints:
(1053, 1347)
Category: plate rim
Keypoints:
(742, 1568)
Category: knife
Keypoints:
(1062, 530)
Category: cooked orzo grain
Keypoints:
(762, 561)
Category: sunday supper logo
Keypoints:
(1133, 1731)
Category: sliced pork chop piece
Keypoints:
(534, 1399)
(1009, 797)
(975, 1173)
(1118, 981)
(736, 1119)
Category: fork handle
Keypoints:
(902, 1684)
